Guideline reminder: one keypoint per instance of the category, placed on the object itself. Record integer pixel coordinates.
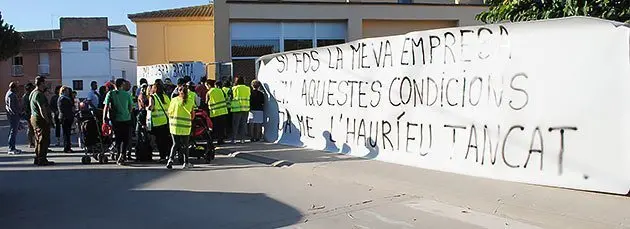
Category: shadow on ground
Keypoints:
(112, 198)
(288, 153)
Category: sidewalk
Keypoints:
(546, 207)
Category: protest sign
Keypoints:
(542, 102)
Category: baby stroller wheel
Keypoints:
(86, 160)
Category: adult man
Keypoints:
(217, 104)
(240, 109)
(53, 108)
(119, 102)
(93, 96)
(26, 113)
(41, 119)
(12, 105)
(201, 91)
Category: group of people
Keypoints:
(168, 109)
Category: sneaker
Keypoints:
(243, 141)
(169, 164)
(187, 166)
(13, 152)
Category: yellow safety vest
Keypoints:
(193, 96)
(180, 116)
(240, 98)
(158, 113)
(226, 93)
(216, 102)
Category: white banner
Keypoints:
(196, 70)
(542, 102)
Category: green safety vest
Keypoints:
(180, 116)
(216, 102)
(240, 98)
(158, 113)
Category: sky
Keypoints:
(27, 15)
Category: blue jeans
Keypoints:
(14, 122)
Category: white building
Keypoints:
(93, 51)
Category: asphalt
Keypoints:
(263, 185)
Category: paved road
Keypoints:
(311, 189)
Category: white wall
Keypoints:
(120, 60)
(88, 65)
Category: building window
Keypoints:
(18, 60)
(405, 1)
(254, 48)
(85, 46)
(124, 74)
(44, 64)
(131, 54)
(18, 66)
(290, 45)
(77, 85)
(328, 42)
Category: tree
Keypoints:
(10, 40)
(527, 10)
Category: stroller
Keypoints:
(201, 145)
(94, 144)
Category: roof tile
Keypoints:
(193, 11)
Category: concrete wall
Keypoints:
(90, 65)
(120, 59)
(377, 28)
(355, 14)
(168, 41)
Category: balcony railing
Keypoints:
(43, 69)
(17, 70)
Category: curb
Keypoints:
(256, 158)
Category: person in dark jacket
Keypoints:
(26, 103)
(55, 113)
(65, 106)
(256, 114)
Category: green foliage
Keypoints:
(528, 10)
(10, 40)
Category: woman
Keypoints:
(255, 119)
(142, 99)
(66, 116)
(158, 104)
(180, 112)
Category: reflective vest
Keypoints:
(240, 98)
(226, 93)
(180, 116)
(192, 96)
(158, 113)
(216, 102)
